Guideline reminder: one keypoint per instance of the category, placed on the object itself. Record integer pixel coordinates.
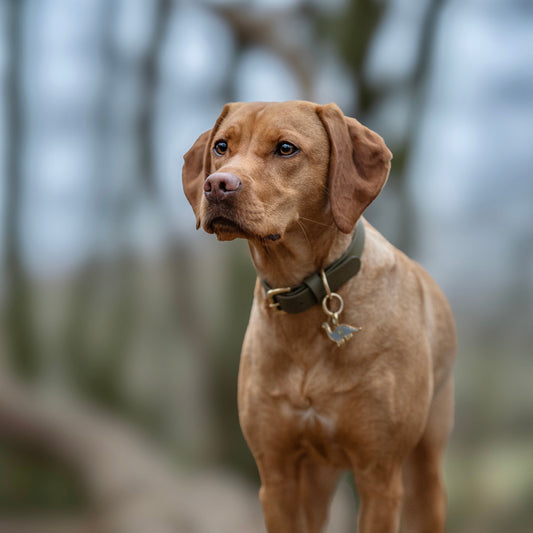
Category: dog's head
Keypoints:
(265, 166)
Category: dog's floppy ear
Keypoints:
(358, 167)
(194, 173)
(197, 166)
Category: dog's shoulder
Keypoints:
(384, 265)
(380, 257)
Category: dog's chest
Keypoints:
(294, 390)
(313, 428)
(302, 383)
(307, 417)
(302, 406)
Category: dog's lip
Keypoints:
(224, 224)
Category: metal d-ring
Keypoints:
(328, 311)
(330, 296)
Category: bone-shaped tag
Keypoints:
(341, 333)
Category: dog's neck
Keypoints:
(287, 263)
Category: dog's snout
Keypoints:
(220, 185)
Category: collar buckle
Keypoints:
(274, 292)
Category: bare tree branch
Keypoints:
(131, 488)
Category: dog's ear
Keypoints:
(197, 166)
(359, 165)
(194, 172)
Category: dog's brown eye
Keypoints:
(286, 149)
(220, 147)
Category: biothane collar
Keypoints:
(312, 291)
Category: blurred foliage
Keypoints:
(34, 482)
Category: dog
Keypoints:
(347, 360)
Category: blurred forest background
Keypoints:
(120, 326)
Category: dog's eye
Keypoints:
(286, 149)
(220, 147)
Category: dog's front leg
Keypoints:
(279, 500)
(381, 501)
(296, 498)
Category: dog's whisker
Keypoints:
(331, 226)
(305, 233)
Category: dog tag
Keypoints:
(341, 333)
(336, 332)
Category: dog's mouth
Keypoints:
(227, 228)
(223, 224)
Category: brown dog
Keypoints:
(374, 393)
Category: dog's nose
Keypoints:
(220, 185)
